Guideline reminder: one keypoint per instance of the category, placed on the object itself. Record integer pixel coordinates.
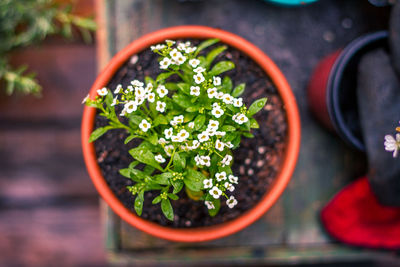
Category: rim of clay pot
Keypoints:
(333, 100)
(290, 157)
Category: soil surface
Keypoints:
(256, 161)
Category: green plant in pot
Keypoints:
(184, 129)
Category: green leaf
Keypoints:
(177, 184)
(213, 54)
(179, 162)
(173, 196)
(166, 208)
(160, 119)
(98, 132)
(194, 180)
(153, 139)
(125, 172)
(145, 156)
(139, 203)
(148, 170)
(256, 106)
(163, 76)
(171, 86)
(254, 123)
(227, 84)
(248, 135)
(228, 128)
(130, 138)
(163, 178)
(136, 119)
(184, 87)
(221, 67)
(193, 109)
(199, 122)
(216, 203)
(156, 200)
(205, 44)
(238, 90)
(182, 100)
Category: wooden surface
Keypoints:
(296, 39)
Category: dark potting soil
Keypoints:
(256, 161)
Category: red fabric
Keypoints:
(355, 217)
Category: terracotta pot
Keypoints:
(332, 95)
(282, 179)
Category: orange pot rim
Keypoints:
(283, 177)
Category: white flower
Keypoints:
(140, 92)
(137, 83)
(233, 179)
(103, 91)
(168, 133)
(199, 70)
(175, 54)
(226, 160)
(229, 144)
(217, 112)
(114, 101)
(209, 205)
(198, 78)
(149, 87)
(220, 176)
(151, 97)
(215, 192)
(129, 89)
(181, 46)
(217, 81)
(212, 124)
(212, 92)
(118, 89)
(219, 95)
(176, 139)
(229, 186)
(130, 106)
(203, 137)
(170, 42)
(195, 90)
(160, 106)
(240, 118)
(85, 99)
(162, 141)
(144, 125)
(195, 144)
(162, 91)
(210, 131)
(238, 102)
(198, 160)
(207, 183)
(177, 120)
(227, 98)
(206, 161)
(123, 112)
(157, 47)
(180, 60)
(220, 133)
(164, 64)
(191, 124)
(219, 145)
(194, 62)
(231, 202)
(183, 134)
(159, 158)
(392, 144)
(168, 150)
(190, 49)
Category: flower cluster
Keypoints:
(188, 128)
(392, 143)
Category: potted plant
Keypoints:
(193, 119)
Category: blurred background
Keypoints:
(49, 209)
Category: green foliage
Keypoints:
(187, 129)
(26, 22)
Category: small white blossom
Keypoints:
(177, 120)
(217, 112)
(198, 78)
(180, 60)
(219, 145)
(206, 161)
(191, 124)
(238, 102)
(159, 158)
(168, 150)
(194, 62)
(198, 160)
(129, 89)
(157, 47)
(212, 92)
(130, 106)
(229, 186)
(85, 99)
(233, 179)
(164, 64)
(181, 46)
(228, 99)
(240, 118)
(229, 144)
(162, 141)
(103, 91)
(195, 90)
(118, 89)
(199, 70)
(175, 54)
(149, 87)
(220, 133)
(137, 83)
(231, 202)
(144, 125)
(176, 139)
(140, 92)
(217, 81)
(183, 134)
(160, 106)
(162, 91)
(207, 183)
(219, 95)
(215, 192)
(170, 42)
(190, 49)
(168, 133)
(213, 124)
(151, 97)
(203, 137)
(114, 101)
(123, 112)
(226, 160)
(220, 176)
(392, 144)
(209, 205)
(195, 144)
